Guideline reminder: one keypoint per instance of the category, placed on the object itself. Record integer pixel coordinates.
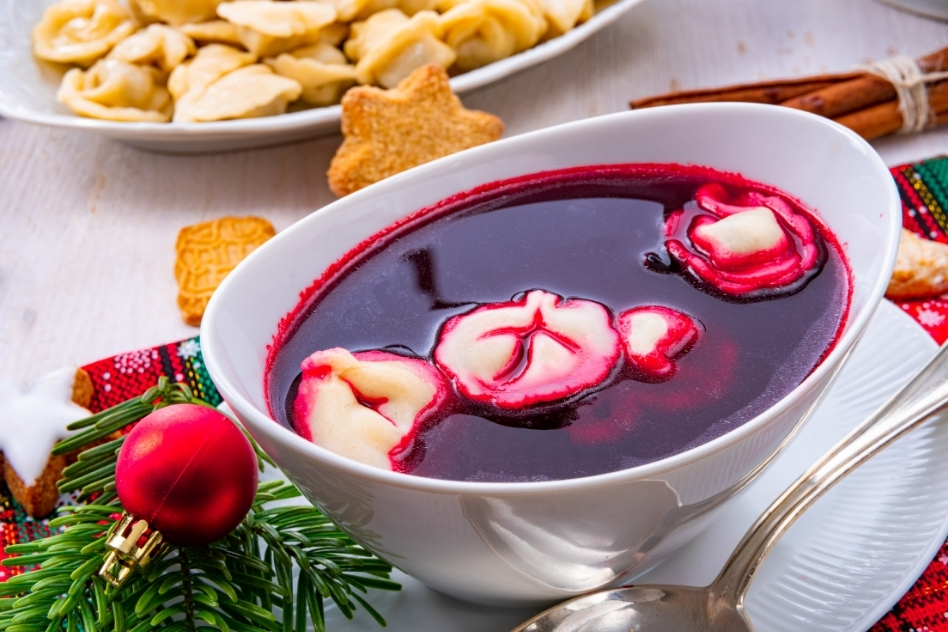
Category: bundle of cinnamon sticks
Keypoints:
(863, 102)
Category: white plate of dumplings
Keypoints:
(141, 61)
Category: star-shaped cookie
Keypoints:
(32, 420)
(389, 131)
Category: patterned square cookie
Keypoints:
(207, 252)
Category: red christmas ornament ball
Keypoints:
(188, 471)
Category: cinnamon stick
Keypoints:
(847, 96)
(861, 101)
(770, 92)
(885, 118)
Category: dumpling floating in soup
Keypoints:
(654, 337)
(532, 350)
(366, 406)
(744, 244)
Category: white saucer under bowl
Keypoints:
(839, 568)
(28, 91)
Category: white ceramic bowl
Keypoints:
(28, 91)
(518, 543)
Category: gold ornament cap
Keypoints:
(125, 555)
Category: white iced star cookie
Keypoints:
(32, 420)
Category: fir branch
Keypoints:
(235, 584)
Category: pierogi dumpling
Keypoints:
(115, 90)
(334, 34)
(160, 45)
(389, 46)
(533, 350)
(81, 31)
(212, 32)
(349, 10)
(484, 31)
(654, 337)
(177, 12)
(408, 7)
(366, 405)
(746, 244)
(248, 92)
(210, 64)
(346, 10)
(269, 28)
(563, 15)
(322, 70)
(411, 7)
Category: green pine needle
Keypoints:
(281, 559)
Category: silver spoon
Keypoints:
(720, 606)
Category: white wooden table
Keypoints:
(87, 225)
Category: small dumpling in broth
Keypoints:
(322, 70)
(484, 31)
(81, 31)
(248, 92)
(210, 64)
(269, 28)
(115, 90)
(177, 12)
(159, 45)
(563, 15)
(390, 45)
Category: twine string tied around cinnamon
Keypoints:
(911, 88)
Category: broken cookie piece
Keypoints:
(32, 420)
(921, 268)
(366, 406)
(537, 349)
(390, 131)
(654, 337)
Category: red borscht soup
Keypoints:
(562, 325)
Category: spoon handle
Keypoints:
(925, 395)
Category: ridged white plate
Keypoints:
(840, 567)
(28, 91)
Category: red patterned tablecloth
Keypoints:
(924, 190)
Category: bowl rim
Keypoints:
(276, 432)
